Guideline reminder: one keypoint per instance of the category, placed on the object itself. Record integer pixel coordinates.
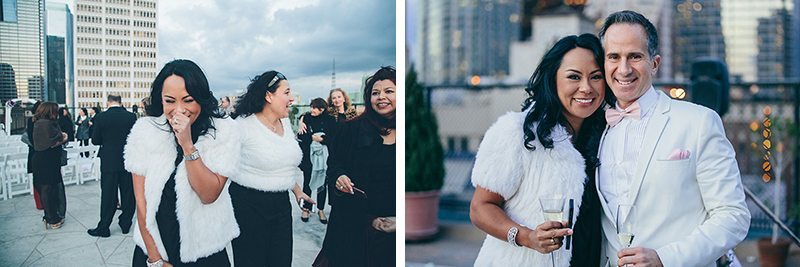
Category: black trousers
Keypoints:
(110, 182)
(322, 191)
(265, 224)
(54, 200)
(84, 142)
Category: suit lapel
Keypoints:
(652, 135)
(603, 202)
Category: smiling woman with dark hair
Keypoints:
(181, 156)
(260, 189)
(361, 230)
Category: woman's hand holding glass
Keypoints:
(344, 184)
(547, 237)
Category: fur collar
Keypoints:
(150, 151)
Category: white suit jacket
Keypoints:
(690, 211)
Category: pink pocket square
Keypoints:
(678, 154)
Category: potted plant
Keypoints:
(775, 137)
(424, 164)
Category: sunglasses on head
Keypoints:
(278, 76)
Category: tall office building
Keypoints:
(115, 50)
(774, 52)
(740, 26)
(461, 38)
(696, 32)
(60, 61)
(21, 49)
(56, 70)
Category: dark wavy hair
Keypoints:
(253, 100)
(383, 124)
(197, 87)
(547, 108)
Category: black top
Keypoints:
(66, 126)
(322, 123)
(110, 132)
(167, 218)
(358, 152)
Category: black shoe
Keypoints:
(98, 232)
(322, 218)
(125, 230)
(304, 215)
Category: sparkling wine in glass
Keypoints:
(625, 221)
(553, 210)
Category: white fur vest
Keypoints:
(204, 228)
(504, 166)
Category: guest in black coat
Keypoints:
(362, 162)
(318, 127)
(47, 139)
(29, 132)
(65, 123)
(111, 129)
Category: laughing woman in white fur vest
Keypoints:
(180, 157)
(544, 150)
(260, 190)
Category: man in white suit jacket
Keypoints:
(668, 158)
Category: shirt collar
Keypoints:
(646, 101)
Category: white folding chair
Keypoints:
(69, 172)
(3, 188)
(89, 168)
(18, 180)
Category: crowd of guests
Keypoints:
(170, 163)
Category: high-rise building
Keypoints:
(462, 38)
(696, 32)
(56, 70)
(22, 49)
(740, 26)
(774, 54)
(60, 58)
(115, 50)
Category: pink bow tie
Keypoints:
(614, 116)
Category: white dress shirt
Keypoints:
(620, 151)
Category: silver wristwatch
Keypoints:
(511, 236)
(158, 263)
(195, 155)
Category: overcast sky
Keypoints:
(235, 40)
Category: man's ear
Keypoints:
(656, 63)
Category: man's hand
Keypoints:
(638, 256)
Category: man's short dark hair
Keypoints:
(319, 103)
(631, 17)
(114, 98)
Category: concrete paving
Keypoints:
(25, 242)
(458, 243)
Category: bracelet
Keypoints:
(158, 263)
(511, 236)
(193, 156)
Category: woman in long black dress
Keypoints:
(180, 157)
(47, 180)
(361, 168)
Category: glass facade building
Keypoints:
(461, 38)
(22, 47)
(60, 61)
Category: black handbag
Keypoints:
(63, 157)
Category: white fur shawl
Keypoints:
(504, 166)
(204, 228)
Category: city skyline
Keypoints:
(298, 38)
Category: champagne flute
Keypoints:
(553, 210)
(625, 221)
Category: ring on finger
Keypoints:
(553, 241)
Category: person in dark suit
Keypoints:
(110, 132)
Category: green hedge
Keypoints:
(424, 156)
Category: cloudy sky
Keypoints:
(235, 40)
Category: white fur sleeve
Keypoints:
(221, 155)
(141, 143)
(498, 164)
